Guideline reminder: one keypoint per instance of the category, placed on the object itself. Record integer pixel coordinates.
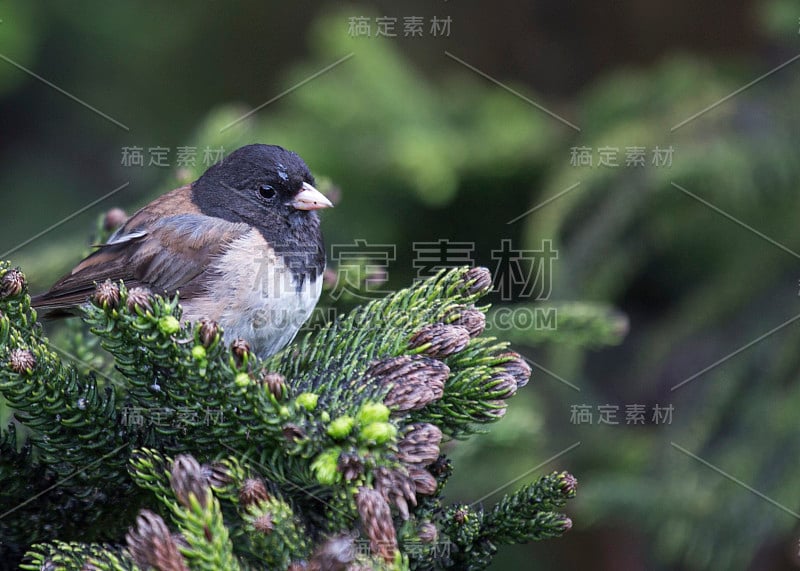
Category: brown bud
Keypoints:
(208, 332)
(12, 283)
(275, 383)
(376, 517)
(438, 340)
(114, 218)
(139, 298)
(240, 349)
(461, 516)
(292, 432)
(517, 368)
(471, 319)
(420, 444)
(501, 386)
(350, 465)
(106, 295)
(566, 524)
(414, 381)
(151, 546)
(217, 474)
(424, 482)
(252, 492)
(22, 361)
(186, 479)
(264, 524)
(397, 488)
(336, 554)
(569, 484)
(428, 533)
(478, 281)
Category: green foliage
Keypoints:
(332, 442)
(699, 287)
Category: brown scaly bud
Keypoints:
(428, 533)
(517, 368)
(240, 348)
(151, 546)
(217, 475)
(350, 465)
(420, 445)
(208, 332)
(569, 484)
(478, 281)
(438, 340)
(187, 478)
(376, 517)
(12, 284)
(566, 524)
(252, 492)
(22, 361)
(106, 295)
(471, 319)
(292, 432)
(501, 386)
(263, 524)
(275, 383)
(424, 482)
(397, 488)
(114, 218)
(139, 298)
(336, 554)
(414, 381)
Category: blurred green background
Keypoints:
(678, 271)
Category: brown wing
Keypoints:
(165, 254)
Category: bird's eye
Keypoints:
(266, 191)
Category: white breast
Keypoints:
(261, 301)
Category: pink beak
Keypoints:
(309, 198)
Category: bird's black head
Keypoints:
(271, 189)
(259, 184)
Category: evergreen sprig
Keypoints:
(325, 456)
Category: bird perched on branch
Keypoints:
(242, 245)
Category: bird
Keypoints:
(241, 246)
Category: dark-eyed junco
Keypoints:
(242, 245)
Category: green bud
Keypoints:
(378, 432)
(284, 412)
(324, 467)
(169, 325)
(373, 412)
(242, 380)
(324, 416)
(198, 352)
(308, 401)
(341, 427)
